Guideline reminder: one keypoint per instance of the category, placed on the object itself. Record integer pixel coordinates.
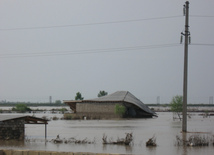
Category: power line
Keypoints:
(94, 51)
(90, 24)
(202, 16)
(101, 23)
(87, 51)
(200, 44)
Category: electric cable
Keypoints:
(90, 24)
(202, 44)
(87, 51)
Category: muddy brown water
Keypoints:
(163, 127)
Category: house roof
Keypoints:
(119, 96)
(28, 119)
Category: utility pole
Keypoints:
(158, 100)
(50, 99)
(211, 100)
(186, 34)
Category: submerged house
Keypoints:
(12, 127)
(116, 105)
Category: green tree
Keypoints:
(21, 108)
(58, 102)
(79, 96)
(176, 105)
(102, 93)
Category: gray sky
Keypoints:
(59, 47)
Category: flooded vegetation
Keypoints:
(195, 140)
(58, 140)
(121, 141)
(151, 141)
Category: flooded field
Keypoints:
(163, 127)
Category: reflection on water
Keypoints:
(163, 127)
(12, 143)
(184, 138)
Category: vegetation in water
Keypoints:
(176, 105)
(63, 110)
(21, 108)
(122, 141)
(195, 140)
(151, 141)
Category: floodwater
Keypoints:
(163, 128)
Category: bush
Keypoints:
(68, 116)
(55, 118)
(21, 108)
(63, 110)
(120, 109)
(71, 116)
(176, 105)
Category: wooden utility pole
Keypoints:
(186, 35)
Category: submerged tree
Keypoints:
(102, 93)
(79, 96)
(176, 105)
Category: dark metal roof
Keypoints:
(28, 119)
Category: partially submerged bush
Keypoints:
(151, 141)
(176, 105)
(194, 140)
(21, 108)
(58, 140)
(197, 140)
(55, 118)
(72, 116)
(124, 141)
(63, 110)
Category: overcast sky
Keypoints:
(60, 47)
